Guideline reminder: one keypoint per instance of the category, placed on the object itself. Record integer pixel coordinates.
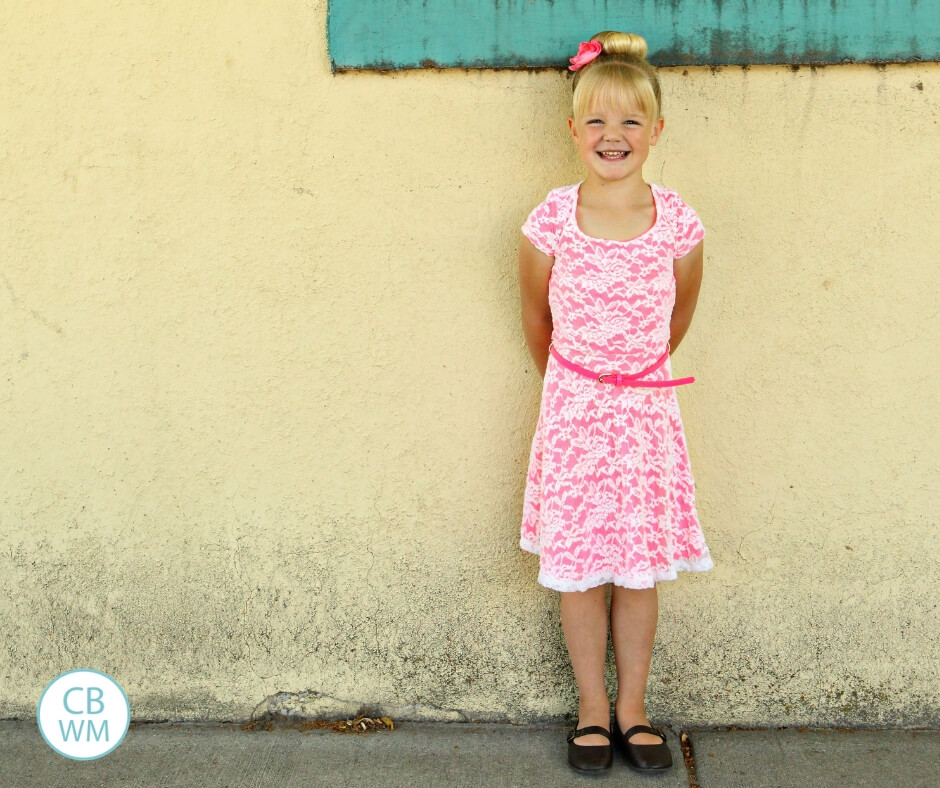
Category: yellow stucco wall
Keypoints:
(267, 405)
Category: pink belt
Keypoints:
(621, 379)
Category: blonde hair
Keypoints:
(619, 76)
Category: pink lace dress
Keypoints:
(609, 493)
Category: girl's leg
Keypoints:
(633, 614)
(584, 621)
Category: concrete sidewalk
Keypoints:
(463, 754)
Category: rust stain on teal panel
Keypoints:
(380, 34)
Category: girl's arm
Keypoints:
(535, 269)
(688, 273)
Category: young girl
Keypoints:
(609, 273)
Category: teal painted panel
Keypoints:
(385, 34)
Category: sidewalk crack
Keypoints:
(688, 755)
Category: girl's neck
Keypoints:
(600, 192)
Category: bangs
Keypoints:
(617, 85)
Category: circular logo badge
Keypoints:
(83, 714)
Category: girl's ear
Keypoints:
(657, 130)
(574, 133)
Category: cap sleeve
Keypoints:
(689, 229)
(544, 224)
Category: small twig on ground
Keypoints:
(360, 724)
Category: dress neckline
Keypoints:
(573, 217)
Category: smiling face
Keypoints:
(614, 142)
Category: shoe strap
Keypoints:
(642, 729)
(589, 729)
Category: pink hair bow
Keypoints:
(587, 51)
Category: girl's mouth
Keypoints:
(613, 155)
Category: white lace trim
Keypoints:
(529, 546)
(702, 564)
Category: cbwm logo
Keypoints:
(83, 714)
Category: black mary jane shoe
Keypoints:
(643, 757)
(590, 758)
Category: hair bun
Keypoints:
(617, 43)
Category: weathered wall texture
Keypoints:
(265, 402)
